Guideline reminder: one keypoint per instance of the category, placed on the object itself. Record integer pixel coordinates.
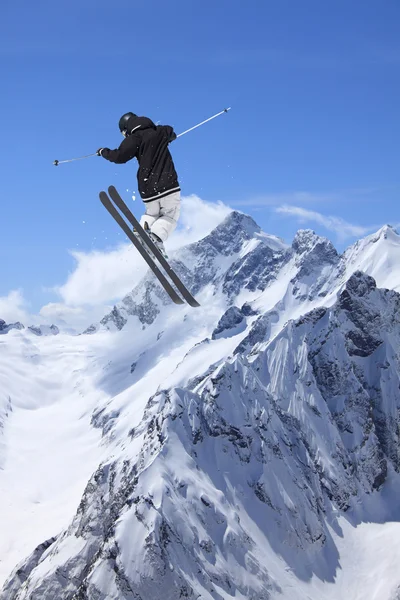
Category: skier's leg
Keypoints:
(151, 215)
(153, 211)
(170, 208)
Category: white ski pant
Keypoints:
(162, 215)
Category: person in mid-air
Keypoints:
(157, 178)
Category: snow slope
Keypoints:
(48, 449)
(245, 449)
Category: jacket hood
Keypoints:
(138, 123)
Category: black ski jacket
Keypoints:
(149, 144)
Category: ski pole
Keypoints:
(59, 162)
(206, 121)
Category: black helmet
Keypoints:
(123, 122)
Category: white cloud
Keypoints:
(342, 228)
(101, 278)
(13, 307)
(198, 218)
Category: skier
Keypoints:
(157, 179)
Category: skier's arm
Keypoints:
(168, 131)
(127, 150)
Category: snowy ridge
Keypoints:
(239, 439)
(379, 256)
(37, 330)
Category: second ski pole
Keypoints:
(206, 121)
(60, 162)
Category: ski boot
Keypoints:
(156, 240)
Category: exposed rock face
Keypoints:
(4, 328)
(44, 330)
(229, 322)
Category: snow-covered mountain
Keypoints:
(245, 449)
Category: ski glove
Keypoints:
(101, 150)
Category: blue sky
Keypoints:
(311, 140)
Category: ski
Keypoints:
(108, 204)
(116, 198)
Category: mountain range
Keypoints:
(245, 449)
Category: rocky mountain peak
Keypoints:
(388, 232)
(311, 247)
(385, 234)
(306, 239)
(360, 284)
(228, 236)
